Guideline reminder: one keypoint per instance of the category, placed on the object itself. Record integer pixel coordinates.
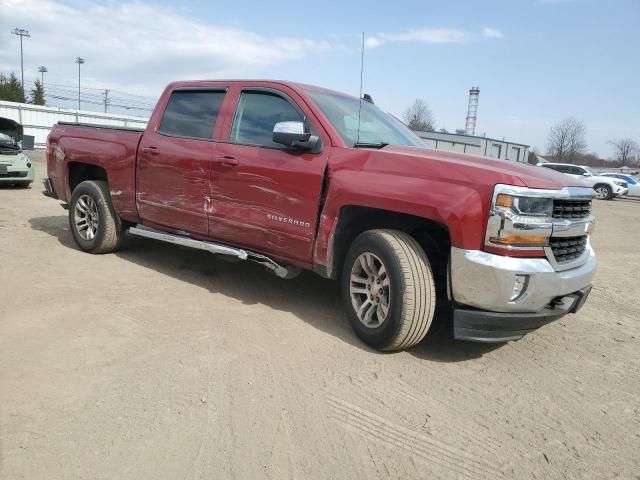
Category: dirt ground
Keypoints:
(163, 363)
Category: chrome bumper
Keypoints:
(485, 281)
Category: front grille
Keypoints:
(14, 174)
(566, 249)
(571, 208)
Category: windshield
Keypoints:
(591, 172)
(376, 127)
(6, 139)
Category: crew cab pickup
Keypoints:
(299, 177)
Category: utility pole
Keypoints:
(79, 61)
(21, 33)
(106, 100)
(42, 69)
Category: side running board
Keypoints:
(216, 248)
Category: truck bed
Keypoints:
(112, 149)
(106, 127)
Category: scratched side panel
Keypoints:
(173, 183)
(269, 201)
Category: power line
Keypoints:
(96, 102)
(57, 94)
(139, 99)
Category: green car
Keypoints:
(15, 166)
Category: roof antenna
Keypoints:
(360, 95)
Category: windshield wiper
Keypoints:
(369, 145)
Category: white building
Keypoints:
(37, 120)
(485, 146)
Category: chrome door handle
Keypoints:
(227, 161)
(151, 150)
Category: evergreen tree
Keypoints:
(37, 93)
(11, 88)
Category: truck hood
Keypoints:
(478, 169)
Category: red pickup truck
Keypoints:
(299, 177)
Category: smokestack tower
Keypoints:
(472, 111)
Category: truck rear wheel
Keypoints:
(95, 225)
(388, 289)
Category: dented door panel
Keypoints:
(268, 201)
(173, 182)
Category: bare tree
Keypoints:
(418, 117)
(624, 148)
(566, 140)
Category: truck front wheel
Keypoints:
(95, 225)
(388, 289)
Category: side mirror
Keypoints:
(292, 134)
(585, 174)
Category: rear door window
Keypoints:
(256, 115)
(191, 113)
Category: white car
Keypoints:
(606, 188)
(634, 185)
(15, 165)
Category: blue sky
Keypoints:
(535, 61)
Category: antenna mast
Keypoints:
(360, 95)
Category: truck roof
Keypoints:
(293, 85)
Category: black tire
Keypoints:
(412, 290)
(109, 230)
(605, 189)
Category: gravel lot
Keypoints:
(162, 363)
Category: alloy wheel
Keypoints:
(602, 192)
(369, 288)
(86, 217)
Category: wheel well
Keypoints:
(79, 172)
(601, 185)
(432, 236)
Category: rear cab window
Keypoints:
(192, 113)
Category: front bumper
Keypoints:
(483, 326)
(619, 191)
(482, 285)
(18, 174)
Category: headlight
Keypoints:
(518, 223)
(620, 183)
(539, 207)
(25, 159)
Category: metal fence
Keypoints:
(37, 120)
